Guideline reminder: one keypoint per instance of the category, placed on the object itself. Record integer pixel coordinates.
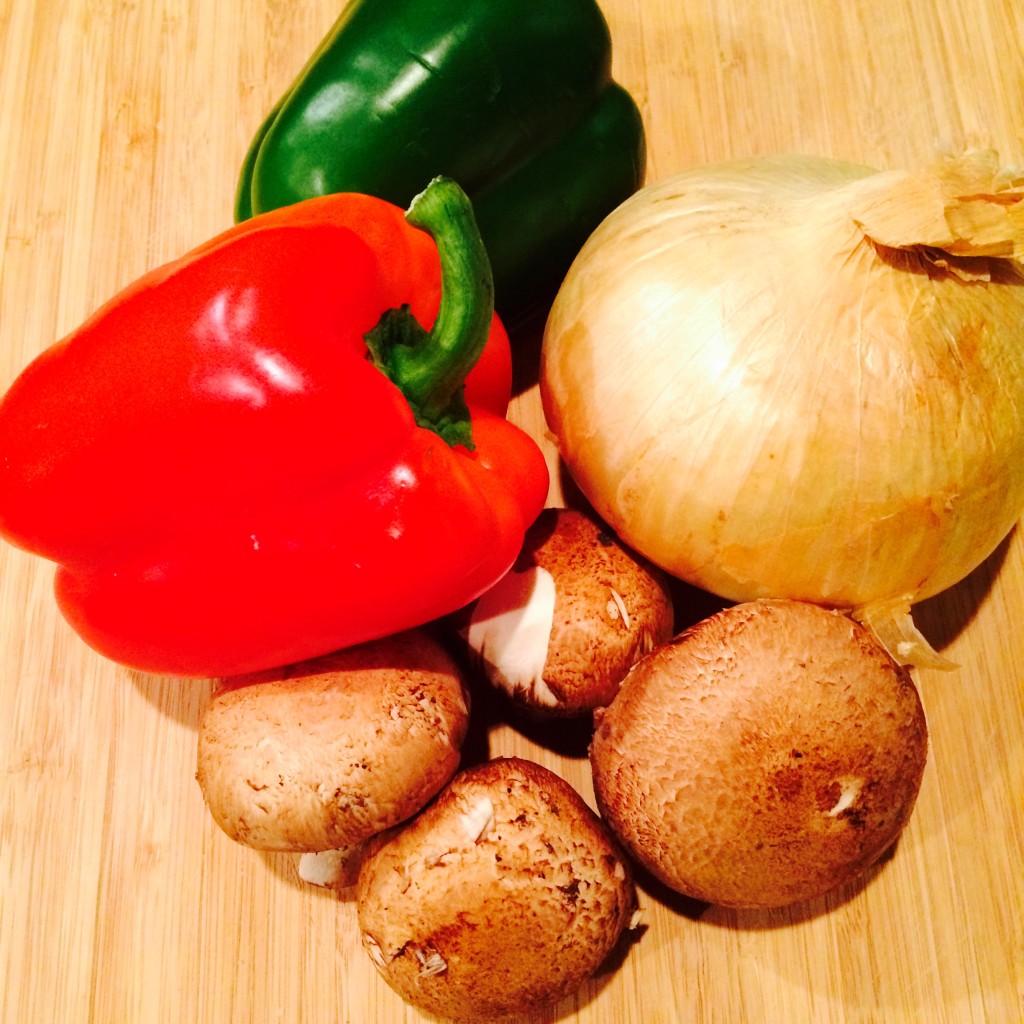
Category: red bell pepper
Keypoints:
(236, 467)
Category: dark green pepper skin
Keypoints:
(511, 98)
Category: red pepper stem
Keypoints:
(430, 368)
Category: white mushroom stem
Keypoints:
(332, 869)
(509, 630)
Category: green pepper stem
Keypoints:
(430, 367)
(463, 323)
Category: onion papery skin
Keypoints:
(765, 402)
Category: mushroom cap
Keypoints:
(766, 756)
(504, 895)
(323, 754)
(601, 608)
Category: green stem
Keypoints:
(430, 367)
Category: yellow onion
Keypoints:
(802, 378)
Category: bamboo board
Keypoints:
(122, 125)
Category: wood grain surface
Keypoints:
(122, 126)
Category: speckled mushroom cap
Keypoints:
(764, 757)
(606, 608)
(504, 895)
(326, 753)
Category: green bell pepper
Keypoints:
(512, 98)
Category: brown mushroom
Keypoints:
(321, 755)
(766, 756)
(503, 896)
(561, 630)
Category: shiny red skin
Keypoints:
(225, 481)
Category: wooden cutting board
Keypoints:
(122, 125)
